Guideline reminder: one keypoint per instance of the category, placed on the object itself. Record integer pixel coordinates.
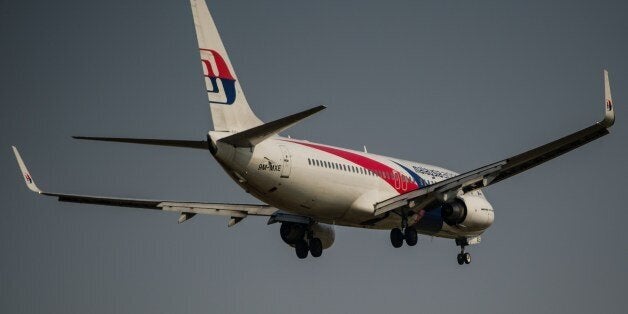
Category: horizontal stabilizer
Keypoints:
(256, 135)
(148, 141)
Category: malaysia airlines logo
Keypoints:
(28, 178)
(219, 81)
(609, 105)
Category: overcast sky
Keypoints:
(459, 84)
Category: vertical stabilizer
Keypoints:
(229, 109)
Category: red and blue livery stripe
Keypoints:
(385, 172)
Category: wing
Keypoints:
(448, 189)
(237, 212)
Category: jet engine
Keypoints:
(324, 232)
(292, 232)
(470, 212)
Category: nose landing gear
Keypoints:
(463, 257)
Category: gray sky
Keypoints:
(454, 83)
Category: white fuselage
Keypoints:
(340, 186)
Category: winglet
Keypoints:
(609, 108)
(30, 183)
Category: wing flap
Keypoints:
(233, 210)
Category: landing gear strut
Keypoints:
(463, 258)
(409, 234)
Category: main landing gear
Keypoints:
(463, 258)
(301, 237)
(409, 234)
(314, 246)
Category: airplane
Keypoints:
(308, 188)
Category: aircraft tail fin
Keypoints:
(229, 109)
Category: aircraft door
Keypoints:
(286, 161)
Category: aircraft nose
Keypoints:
(490, 217)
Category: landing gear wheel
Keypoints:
(460, 259)
(466, 257)
(301, 248)
(396, 237)
(411, 236)
(316, 247)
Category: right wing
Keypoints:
(484, 176)
(237, 212)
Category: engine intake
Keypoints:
(454, 213)
(292, 232)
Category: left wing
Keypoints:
(448, 189)
(237, 212)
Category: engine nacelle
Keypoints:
(469, 212)
(293, 232)
(324, 232)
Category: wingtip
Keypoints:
(609, 106)
(28, 179)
